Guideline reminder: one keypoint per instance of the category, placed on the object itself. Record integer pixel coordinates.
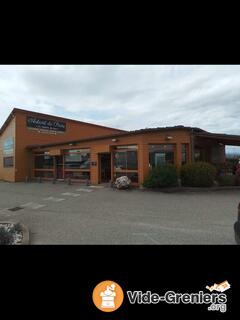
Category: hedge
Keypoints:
(162, 176)
(198, 174)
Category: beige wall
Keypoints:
(7, 174)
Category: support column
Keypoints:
(143, 162)
(178, 155)
(94, 170)
(112, 164)
(191, 149)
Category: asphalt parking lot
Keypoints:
(77, 214)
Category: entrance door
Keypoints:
(105, 167)
(59, 167)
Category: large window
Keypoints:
(77, 164)
(43, 165)
(77, 159)
(126, 162)
(125, 158)
(8, 162)
(43, 162)
(161, 154)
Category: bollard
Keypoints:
(40, 179)
(26, 179)
(54, 181)
(69, 181)
(239, 211)
(87, 183)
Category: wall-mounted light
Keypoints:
(168, 137)
(114, 140)
(220, 144)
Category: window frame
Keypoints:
(162, 144)
(4, 162)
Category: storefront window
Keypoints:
(125, 158)
(161, 154)
(77, 159)
(126, 162)
(43, 162)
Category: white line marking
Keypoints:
(33, 205)
(27, 204)
(54, 199)
(71, 194)
(84, 190)
(97, 187)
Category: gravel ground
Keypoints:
(75, 214)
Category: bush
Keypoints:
(227, 180)
(8, 233)
(6, 237)
(198, 174)
(162, 176)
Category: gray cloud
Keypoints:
(128, 97)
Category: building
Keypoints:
(23, 128)
(38, 145)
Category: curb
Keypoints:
(25, 231)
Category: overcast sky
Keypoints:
(127, 96)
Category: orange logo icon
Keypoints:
(108, 296)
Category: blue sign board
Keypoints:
(8, 146)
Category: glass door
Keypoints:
(59, 167)
(105, 167)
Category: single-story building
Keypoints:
(39, 145)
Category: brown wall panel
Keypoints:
(25, 136)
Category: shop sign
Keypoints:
(47, 125)
(55, 152)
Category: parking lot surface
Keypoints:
(77, 214)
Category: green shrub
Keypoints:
(227, 180)
(198, 174)
(162, 176)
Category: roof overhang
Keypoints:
(226, 139)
